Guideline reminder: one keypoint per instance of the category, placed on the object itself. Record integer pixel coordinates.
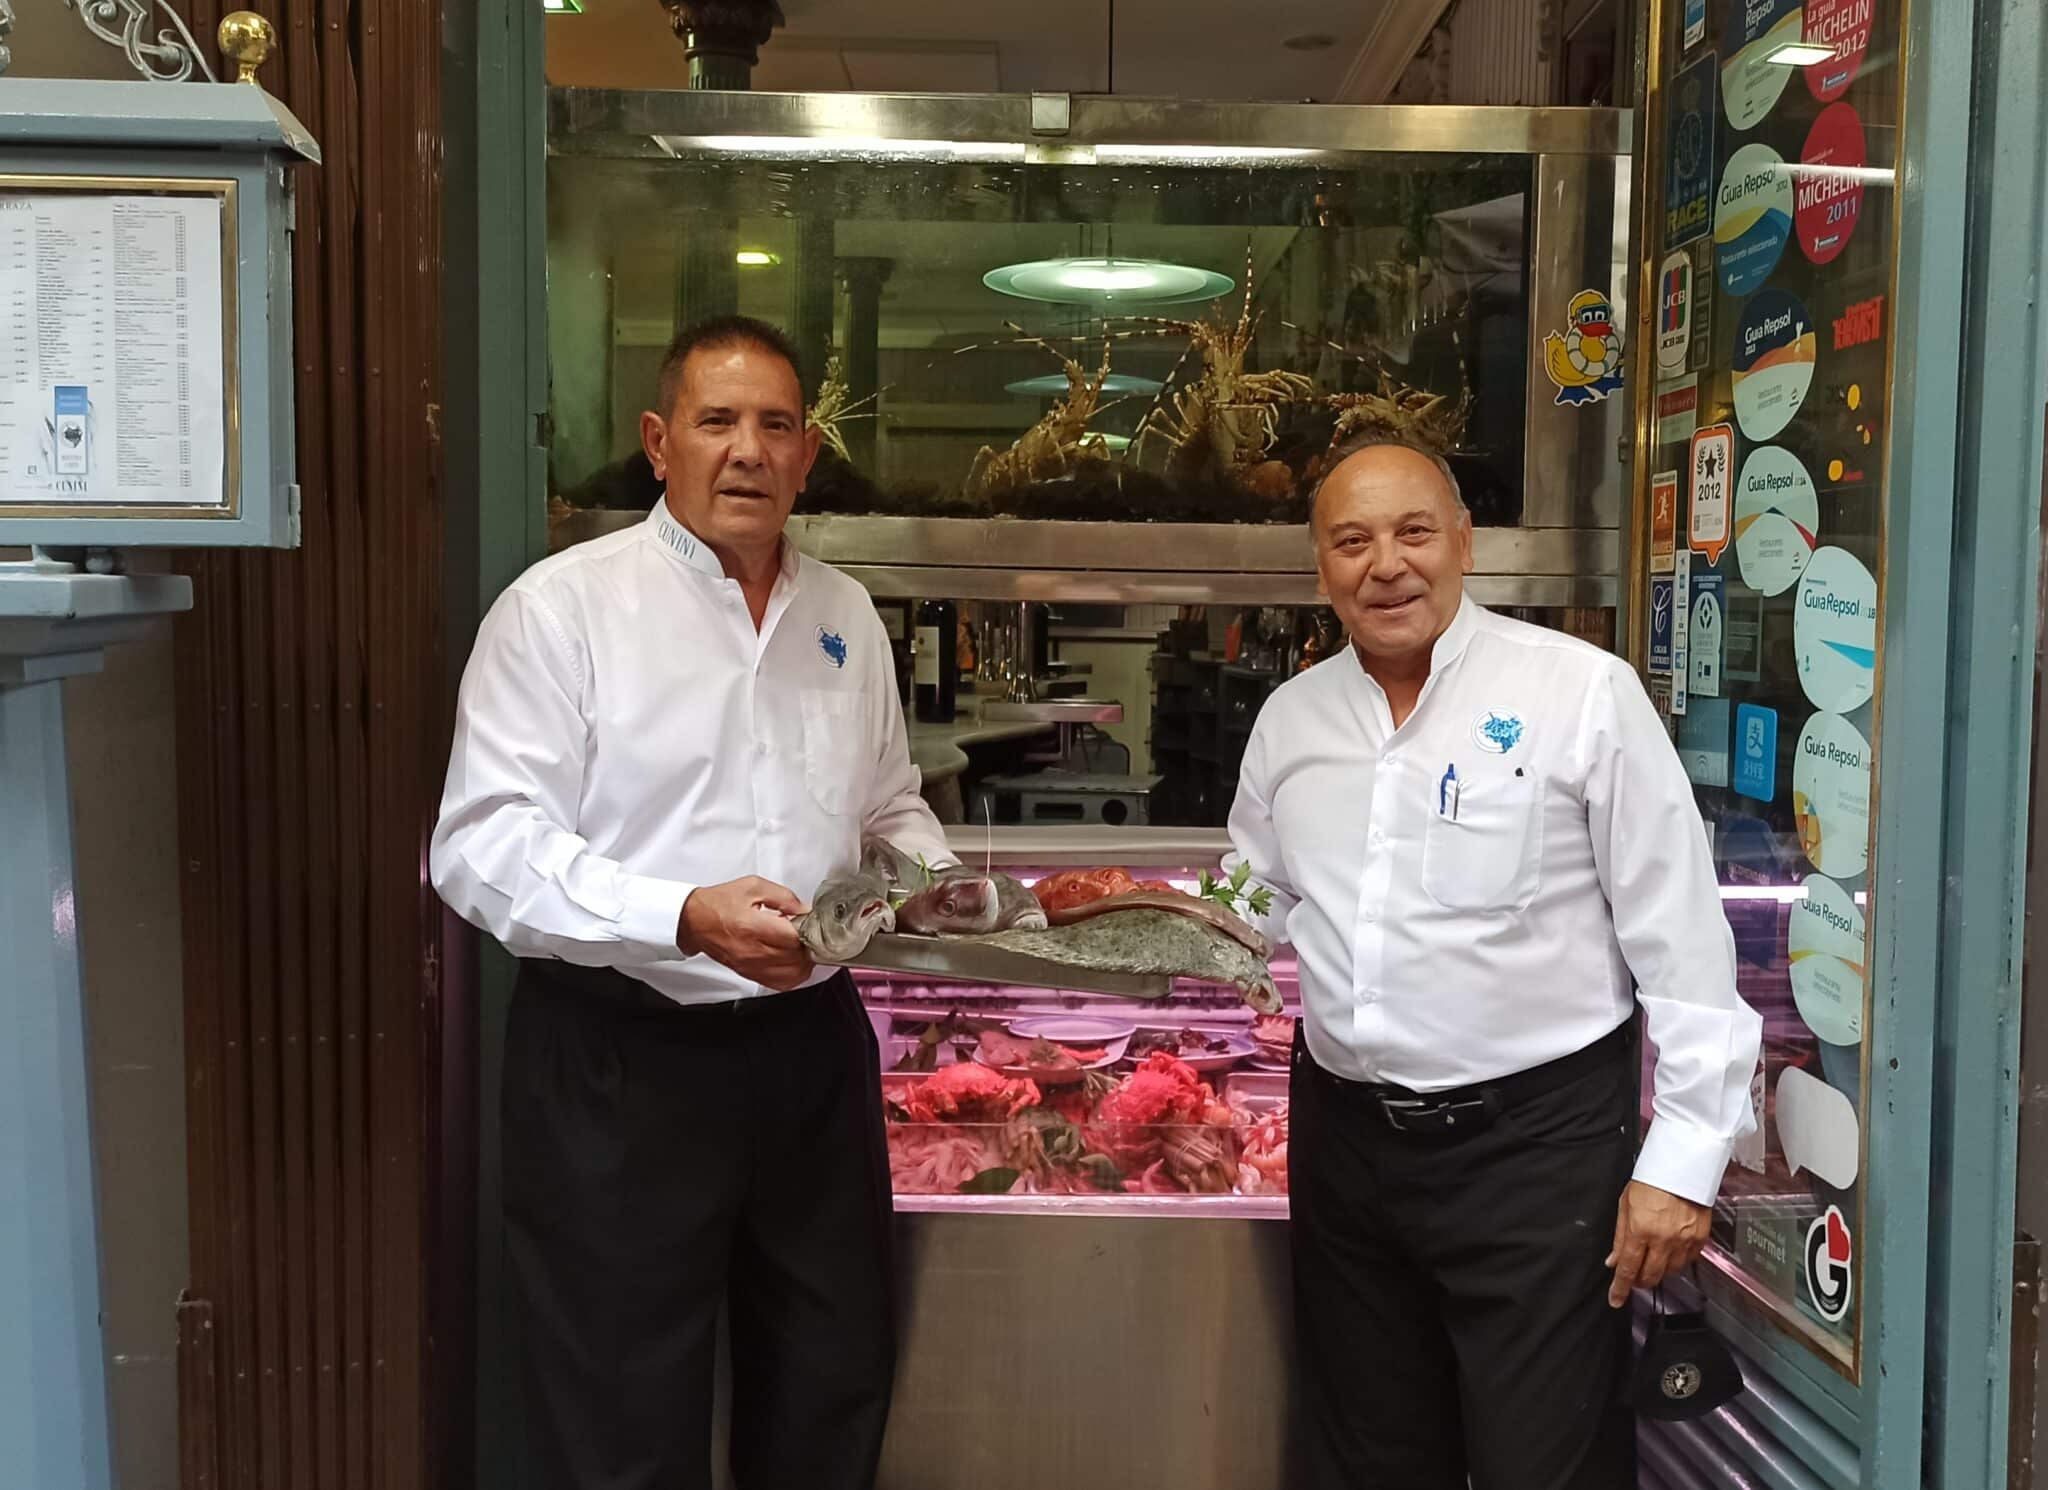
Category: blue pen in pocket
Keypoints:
(1447, 793)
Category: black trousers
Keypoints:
(1450, 1299)
(659, 1160)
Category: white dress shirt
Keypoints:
(1471, 894)
(625, 734)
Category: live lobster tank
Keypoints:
(1076, 364)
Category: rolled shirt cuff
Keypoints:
(651, 911)
(1683, 1159)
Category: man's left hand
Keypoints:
(1656, 1234)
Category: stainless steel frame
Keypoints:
(1155, 563)
(1566, 553)
(669, 121)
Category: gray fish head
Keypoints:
(961, 904)
(845, 915)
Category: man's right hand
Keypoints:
(746, 925)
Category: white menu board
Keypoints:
(112, 388)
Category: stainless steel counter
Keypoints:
(1090, 1353)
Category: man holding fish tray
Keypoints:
(660, 732)
(1485, 851)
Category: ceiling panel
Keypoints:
(1222, 49)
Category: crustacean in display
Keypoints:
(1053, 446)
(1226, 419)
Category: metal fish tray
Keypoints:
(966, 960)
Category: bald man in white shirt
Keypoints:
(1486, 853)
(666, 738)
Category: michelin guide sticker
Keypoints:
(1834, 631)
(1831, 796)
(1752, 80)
(1827, 191)
(1825, 946)
(1777, 520)
(1752, 218)
(1844, 27)
(1713, 451)
(1775, 347)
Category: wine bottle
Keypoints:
(937, 673)
(895, 616)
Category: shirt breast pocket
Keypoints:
(1486, 857)
(838, 748)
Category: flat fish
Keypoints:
(1150, 941)
(1208, 912)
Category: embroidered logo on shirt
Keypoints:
(833, 645)
(1497, 733)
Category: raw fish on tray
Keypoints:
(1101, 921)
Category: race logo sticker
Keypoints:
(1663, 519)
(1861, 324)
(1585, 362)
(1777, 520)
(1828, 183)
(1678, 412)
(832, 646)
(1773, 364)
(1713, 453)
(1829, 1258)
(1843, 25)
(1674, 313)
(1752, 80)
(1689, 149)
(1752, 218)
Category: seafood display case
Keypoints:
(1097, 349)
(1094, 1286)
(1039, 1097)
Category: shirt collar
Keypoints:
(1450, 646)
(694, 553)
(1457, 636)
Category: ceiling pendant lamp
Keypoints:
(1108, 282)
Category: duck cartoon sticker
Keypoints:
(1585, 362)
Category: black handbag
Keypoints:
(1684, 1371)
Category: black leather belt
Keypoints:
(1472, 1109)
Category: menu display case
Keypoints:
(1768, 274)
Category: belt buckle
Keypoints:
(1395, 1109)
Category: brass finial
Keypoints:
(246, 39)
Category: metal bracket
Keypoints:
(170, 58)
(1051, 113)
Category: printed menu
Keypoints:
(111, 361)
